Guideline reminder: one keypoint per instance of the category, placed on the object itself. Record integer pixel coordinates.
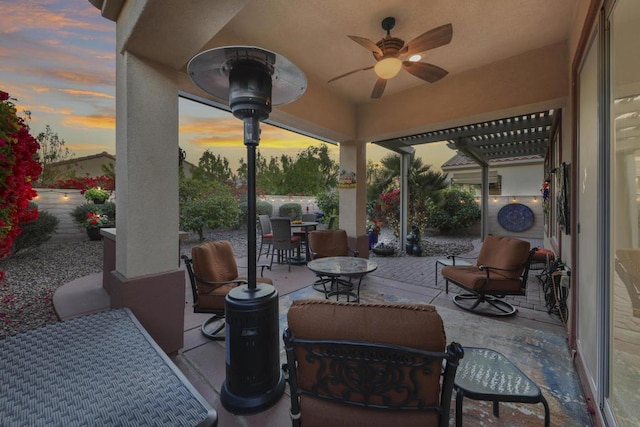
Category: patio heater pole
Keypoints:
(252, 80)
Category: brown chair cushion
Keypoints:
(215, 262)
(473, 278)
(504, 252)
(412, 325)
(327, 243)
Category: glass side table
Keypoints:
(484, 374)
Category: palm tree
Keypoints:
(423, 182)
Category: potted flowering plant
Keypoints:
(373, 229)
(96, 195)
(94, 222)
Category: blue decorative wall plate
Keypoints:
(515, 217)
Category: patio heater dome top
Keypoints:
(210, 71)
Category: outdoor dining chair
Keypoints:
(266, 236)
(283, 242)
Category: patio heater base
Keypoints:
(254, 380)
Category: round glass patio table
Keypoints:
(331, 268)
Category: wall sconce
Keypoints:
(535, 199)
(66, 196)
(514, 199)
(495, 199)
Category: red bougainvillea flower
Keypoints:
(18, 168)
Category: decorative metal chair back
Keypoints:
(368, 373)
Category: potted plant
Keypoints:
(93, 223)
(373, 229)
(384, 249)
(96, 195)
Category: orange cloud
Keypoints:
(33, 14)
(92, 121)
(228, 132)
(77, 77)
(86, 93)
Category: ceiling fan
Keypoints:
(390, 53)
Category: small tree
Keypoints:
(457, 210)
(52, 150)
(209, 205)
(329, 203)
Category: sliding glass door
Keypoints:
(623, 370)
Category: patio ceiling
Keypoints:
(504, 54)
(524, 135)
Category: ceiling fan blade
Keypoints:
(349, 73)
(366, 43)
(422, 70)
(430, 40)
(378, 88)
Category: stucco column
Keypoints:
(353, 201)
(147, 278)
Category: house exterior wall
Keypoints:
(521, 180)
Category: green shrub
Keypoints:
(262, 208)
(219, 210)
(79, 213)
(329, 203)
(35, 233)
(291, 210)
(457, 210)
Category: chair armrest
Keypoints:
(453, 257)
(208, 282)
(262, 266)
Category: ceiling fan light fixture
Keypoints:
(415, 58)
(388, 68)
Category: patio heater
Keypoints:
(252, 80)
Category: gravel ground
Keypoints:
(32, 277)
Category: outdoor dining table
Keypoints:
(305, 226)
(331, 268)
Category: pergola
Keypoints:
(524, 135)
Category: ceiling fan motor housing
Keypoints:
(390, 46)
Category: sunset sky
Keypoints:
(57, 59)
